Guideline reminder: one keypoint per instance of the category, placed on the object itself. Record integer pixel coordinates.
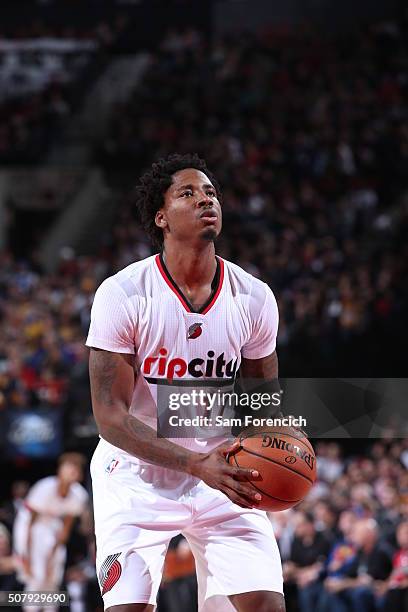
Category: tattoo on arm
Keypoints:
(264, 369)
(156, 450)
(112, 378)
(261, 376)
(103, 370)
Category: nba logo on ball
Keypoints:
(194, 331)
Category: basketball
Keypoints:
(286, 463)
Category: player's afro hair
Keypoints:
(154, 184)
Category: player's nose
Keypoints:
(204, 201)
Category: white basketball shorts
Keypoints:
(139, 507)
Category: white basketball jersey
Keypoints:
(140, 310)
(44, 499)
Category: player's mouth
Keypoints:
(209, 215)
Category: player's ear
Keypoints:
(160, 219)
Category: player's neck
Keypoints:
(190, 266)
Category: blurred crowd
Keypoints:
(44, 320)
(42, 68)
(344, 549)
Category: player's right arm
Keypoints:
(112, 377)
(27, 556)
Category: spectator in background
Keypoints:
(396, 595)
(8, 580)
(355, 588)
(388, 516)
(307, 557)
(330, 465)
(326, 519)
(344, 551)
(8, 511)
(284, 531)
(361, 494)
(340, 558)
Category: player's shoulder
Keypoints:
(130, 281)
(245, 283)
(45, 484)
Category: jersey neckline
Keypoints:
(216, 285)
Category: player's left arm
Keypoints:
(260, 376)
(64, 533)
(265, 369)
(259, 363)
(66, 529)
(61, 540)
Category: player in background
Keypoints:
(42, 527)
(183, 316)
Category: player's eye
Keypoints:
(212, 193)
(186, 193)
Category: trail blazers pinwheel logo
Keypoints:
(194, 331)
(109, 573)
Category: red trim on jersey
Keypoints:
(217, 293)
(177, 292)
(172, 287)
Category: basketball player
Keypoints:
(43, 525)
(184, 315)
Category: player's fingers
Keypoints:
(243, 473)
(230, 448)
(244, 491)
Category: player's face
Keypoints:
(346, 522)
(191, 208)
(70, 472)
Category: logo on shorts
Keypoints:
(109, 573)
(194, 331)
(111, 465)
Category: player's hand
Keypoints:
(214, 470)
